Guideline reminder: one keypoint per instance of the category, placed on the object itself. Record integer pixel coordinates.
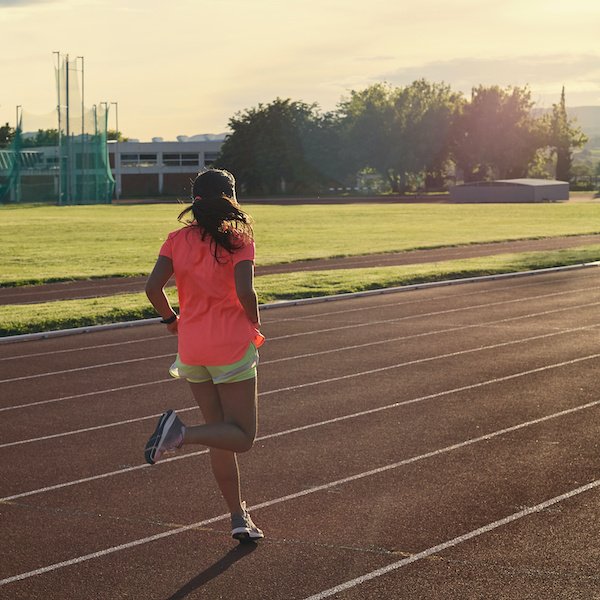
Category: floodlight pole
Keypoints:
(68, 130)
(17, 191)
(82, 96)
(117, 157)
(105, 126)
(83, 174)
(58, 108)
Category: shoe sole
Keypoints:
(164, 424)
(243, 537)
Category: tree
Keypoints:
(7, 133)
(423, 122)
(112, 134)
(43, 137)
(564, 136)
(366, 119)
(267, 149)
(403, 133)
(495, 136)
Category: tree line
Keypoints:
(44, 137)
(416, 137)
(407, 138)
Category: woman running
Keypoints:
(218, 329)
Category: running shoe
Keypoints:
(167, 437)
(243, 528)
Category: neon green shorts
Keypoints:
(245, 368)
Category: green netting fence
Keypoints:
(60, 157)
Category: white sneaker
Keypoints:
(243, 528)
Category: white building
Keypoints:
(160, 168)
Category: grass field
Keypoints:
(59, 243)
(125, 307)
(51, 243)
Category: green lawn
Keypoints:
(76, 313)
(49, 243)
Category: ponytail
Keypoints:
(216, 212)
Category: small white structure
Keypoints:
(511, 190)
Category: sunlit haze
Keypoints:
(184, 67)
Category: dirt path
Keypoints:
(91, 288)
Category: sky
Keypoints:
(184, 67)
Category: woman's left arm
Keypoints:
(155, 290)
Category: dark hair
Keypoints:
(216, 211)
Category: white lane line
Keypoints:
(271, 321)
(266, 393)
(300, 318)
(308, 491)
(338, 349)
(93, 428)
(453, 542)
(87, 394)
(447, 296)
(87, 368)
(421, 315)
(312, 332)
(558, 331)
(82, 348)
(328, 422)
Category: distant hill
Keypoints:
(588, 118)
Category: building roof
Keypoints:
(507, 182)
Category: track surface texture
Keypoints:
(91, 288)
(435, 444)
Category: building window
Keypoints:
(209, 158)
(171, 160)
(138, 160)
(189, 160)
(181, 160)
(147, 160)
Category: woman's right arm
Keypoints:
(244, 287)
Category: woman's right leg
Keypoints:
(223, 462)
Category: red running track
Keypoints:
(439, 443)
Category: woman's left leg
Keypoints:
(237, 430)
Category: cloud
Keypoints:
(537, 71)
(4, 3)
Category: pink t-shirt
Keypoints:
(213, 327)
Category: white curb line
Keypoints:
(404, 288)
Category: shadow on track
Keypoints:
(216, 569)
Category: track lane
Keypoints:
(418, 421)
(487, 364)
(418, 491)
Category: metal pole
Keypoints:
(95, 112)
(17, 179)
(68, 130)
(117, 156)
(83, 175)
(58, 108)
(104, 127)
